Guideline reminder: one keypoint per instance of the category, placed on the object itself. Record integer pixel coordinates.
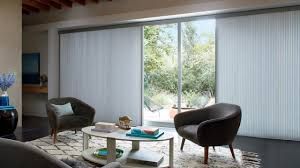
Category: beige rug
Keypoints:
(69, 146)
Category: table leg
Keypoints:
(85, 141)
(171, 153)
(135, 145)
(111, 147)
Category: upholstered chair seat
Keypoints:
(215, 125)
(83, 115)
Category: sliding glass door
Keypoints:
(198, 64)
(160, 72)
(179, 68)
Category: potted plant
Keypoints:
(6, 81)
(8, 114)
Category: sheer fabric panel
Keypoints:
(103, 68)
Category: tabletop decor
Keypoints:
(103, 152)
(43, 80)
(6, 81)
(125, 122)
(104, 127)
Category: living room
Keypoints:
(137, 83)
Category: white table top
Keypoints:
(120, 134)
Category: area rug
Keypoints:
(69, 146)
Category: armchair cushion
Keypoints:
(72, 121)
(189, 132)
(62, 110)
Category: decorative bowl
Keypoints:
(103, 152)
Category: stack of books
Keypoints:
(145, 132)
(104, 127)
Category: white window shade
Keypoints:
(103, 68)
(258, 68)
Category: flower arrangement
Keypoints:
(6, 81)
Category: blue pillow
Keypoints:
(62, 110)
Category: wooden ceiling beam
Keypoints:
(81, 2)
(36, 4)
(52, 3)
(67, 3)
(26, 12)
(55, 4)
(30, 8)
(42, 2)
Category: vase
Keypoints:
(4, 99)
(8, 120)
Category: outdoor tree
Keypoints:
(161, 66)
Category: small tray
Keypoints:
(103, 152)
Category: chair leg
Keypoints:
(182, 144)
(231, 150)
(54, 137)
(206, 155)
(75, 131)
(214, 148)
(52, 131)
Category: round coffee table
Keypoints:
(111, 147)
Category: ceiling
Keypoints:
(36, 6)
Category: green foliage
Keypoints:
(160, 61)
(161, 67)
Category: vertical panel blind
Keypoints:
(258, 68)
(103, 68)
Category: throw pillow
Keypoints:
(62, 110)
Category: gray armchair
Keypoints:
(15, 154)
(215, 125)
(83, 115)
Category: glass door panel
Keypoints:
(160, 72)
(198, 64)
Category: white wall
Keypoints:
(258, 68)
(11, 48)
(53, 63)
(36, 42)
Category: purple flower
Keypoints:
(7, 80)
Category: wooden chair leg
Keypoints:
(52, 131)
(206, 154)
(182, 144)
(232, 151)
(54, 137)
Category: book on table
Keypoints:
(145, 157)
(145, 132)
(104, 127)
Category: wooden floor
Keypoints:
(274, 153)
